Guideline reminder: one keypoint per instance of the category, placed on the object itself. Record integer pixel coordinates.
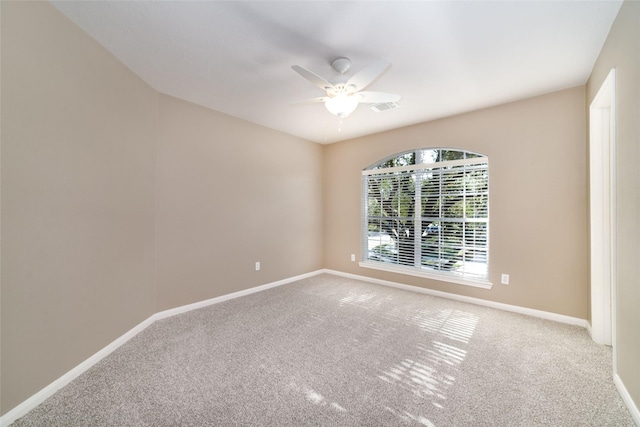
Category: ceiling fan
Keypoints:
(344, 94)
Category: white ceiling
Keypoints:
(448, 57)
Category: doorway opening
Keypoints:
(602, 212)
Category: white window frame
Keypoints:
(417, 269)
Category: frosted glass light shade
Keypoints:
(341, 105)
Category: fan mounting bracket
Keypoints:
(341, 65)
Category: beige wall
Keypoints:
(538, 200)
(622, 52)
(231, 193)
(78, 196)
(118, 202)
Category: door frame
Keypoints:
(602, 196)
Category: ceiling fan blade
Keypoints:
(367, 97)
(312, 100)
(313, 78)
(368, 74)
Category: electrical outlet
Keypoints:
(353, 257)
(505, 279)
(258, 266)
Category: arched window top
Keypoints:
(424, 156)
(425, 212)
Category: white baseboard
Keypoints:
(506, 307)
(633, 409)
(35, 400)
(201, 304)
(589, 329)
(29, 404)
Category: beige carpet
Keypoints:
(330, 351)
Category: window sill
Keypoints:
(443, 277)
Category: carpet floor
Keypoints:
(331, 351)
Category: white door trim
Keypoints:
(602, 212)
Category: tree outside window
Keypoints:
(427, 210)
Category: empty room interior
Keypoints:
(472, 167)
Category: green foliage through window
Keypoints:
(428, 209)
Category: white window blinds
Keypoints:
(432, 217)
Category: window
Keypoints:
(426, 213)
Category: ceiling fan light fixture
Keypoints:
(345, 93)
(341, 105)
